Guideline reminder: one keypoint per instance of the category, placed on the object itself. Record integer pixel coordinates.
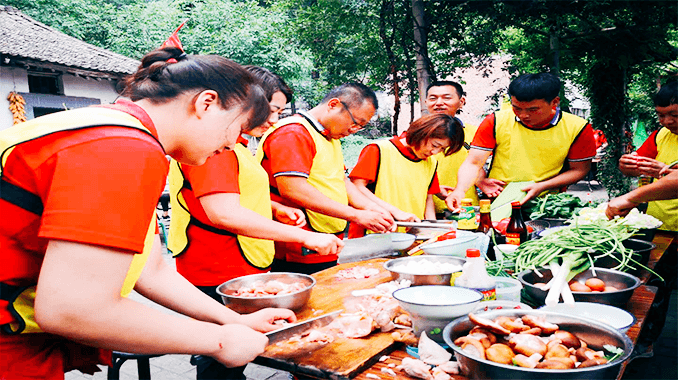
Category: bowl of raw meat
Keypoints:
(248, 294)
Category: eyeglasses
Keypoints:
(355, 123)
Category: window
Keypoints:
(41, 83)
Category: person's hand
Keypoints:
(667, 170)
(444, 192)
(405, 216)
(453, 200)
(250, 344)
(619, 206)
(289, 215)
(629, 161)
(650, 167)
(323, 244)
(375, 221)
(264, 319)
(491, 187)
(532, 191)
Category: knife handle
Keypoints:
(305, 251)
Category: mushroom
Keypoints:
(488, 334)
(556, 363)
(471, 346)
(557, 350)
(527, 344)
(500, 353)
(488, 324)
(592, 362)
(483, 339)
(567, 339)
(513, 325)
(536, 321)
(527, 362)
(533, 331)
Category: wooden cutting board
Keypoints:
(343, 358)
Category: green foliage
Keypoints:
(351, 147)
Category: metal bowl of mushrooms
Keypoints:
(498, 345)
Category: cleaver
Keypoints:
(299, 328)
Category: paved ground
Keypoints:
(663, 365)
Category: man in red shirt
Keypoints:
(302, 156)
(533, 141)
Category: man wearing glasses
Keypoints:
(302, 156)
(532, 141)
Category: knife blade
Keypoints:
(447, 225)
(300, 327)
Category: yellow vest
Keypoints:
(327, 173)
(254, 195)
(667, 152)
(402, 182)
(80, 118)
(523, 154)
(448, 167)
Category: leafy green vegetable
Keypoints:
(561, 205)
(616, 351)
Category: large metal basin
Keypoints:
(246, 305)
(595, 334)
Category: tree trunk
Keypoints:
(386, 9)
(424, 71)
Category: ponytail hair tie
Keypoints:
(175, 60)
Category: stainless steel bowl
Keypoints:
(245, 305)
(436, 278)
(641, 249)
(595, 334)
(626, 283)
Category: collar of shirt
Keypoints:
(318, 127)
(242, 140)
(551, 124)
(131, 108)
(404, 150)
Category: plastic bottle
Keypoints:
(516, 231)
(474, 276)
(467, 216)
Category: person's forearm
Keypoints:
(662, 189)
(564, 179)
(360, 199)
(468, 175)
(305, 195)
(430, 211)
(378, 201)
(165, 286)
(243, 221)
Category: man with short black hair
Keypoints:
(532, 141)
(659, 151)
(303, 158)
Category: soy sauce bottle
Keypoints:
(516, 231)
(486, 227)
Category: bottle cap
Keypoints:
(472, 252)
(485, 202)
(466, 202)
(515, 204)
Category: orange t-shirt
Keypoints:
(98, 186)
(212, 258)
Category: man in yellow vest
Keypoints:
(302, 156)
(532, 141)
(658, 152)
(448, 97)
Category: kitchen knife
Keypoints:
(447, 224)
(299, 328)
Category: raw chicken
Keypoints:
(357, 273)
(450, 367)
(416, 368)
(269, 288)
(431, 352)
(355, 325)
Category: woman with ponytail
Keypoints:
(66, 272)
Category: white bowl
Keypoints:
(613, 316)
(432, 307)
(453, 247)
(500, 249)
(401, 240)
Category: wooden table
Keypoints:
(343, 362)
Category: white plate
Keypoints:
(614, 316)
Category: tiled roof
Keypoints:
(23, 38)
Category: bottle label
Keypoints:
(512, 238)
(467, 218)
(644, 180)
(489, 294)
